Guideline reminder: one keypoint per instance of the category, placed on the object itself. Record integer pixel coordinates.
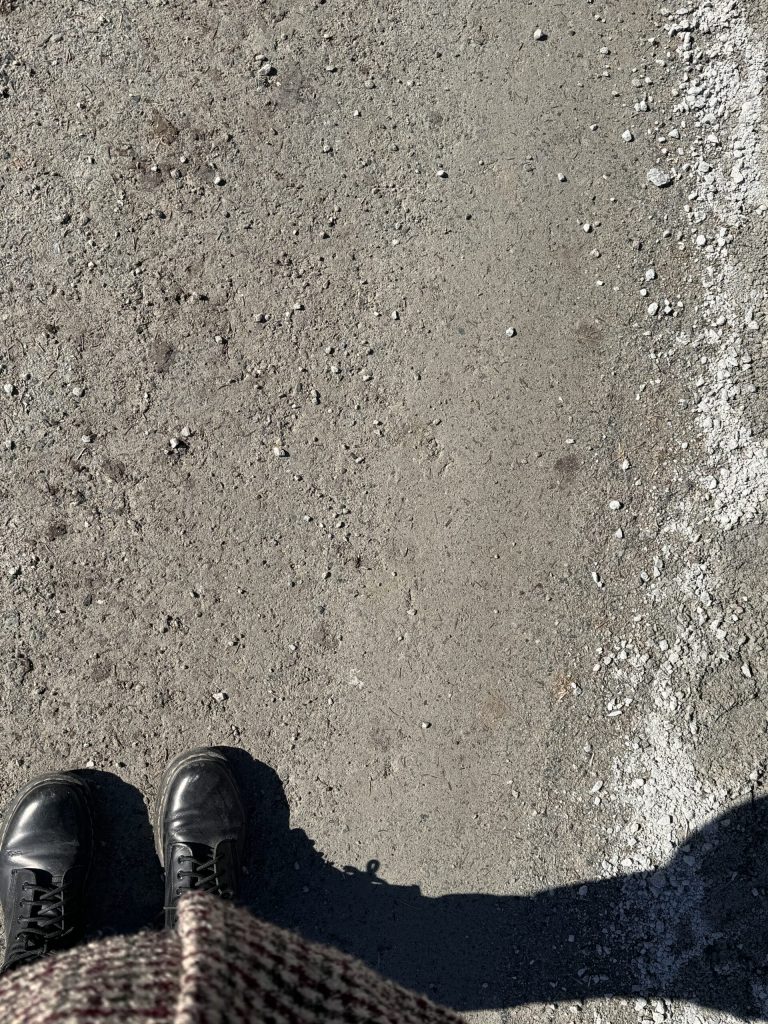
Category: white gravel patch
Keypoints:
(719, 113)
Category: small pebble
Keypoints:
(659, 177)
(628, 136)
(511, 332)
(539, 35)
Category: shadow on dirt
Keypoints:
(126, 881)
(693, 930)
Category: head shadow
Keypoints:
(694, 928)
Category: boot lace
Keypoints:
(199, 870)
(42, 923)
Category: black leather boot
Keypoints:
(46, 845)
(199, 828)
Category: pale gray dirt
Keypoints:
(398, 608)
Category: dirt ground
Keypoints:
(335, 431)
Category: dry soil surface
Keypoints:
(368, 410)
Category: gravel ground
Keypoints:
(381, 398)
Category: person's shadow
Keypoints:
(695, 929)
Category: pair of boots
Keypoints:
(46, 847)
